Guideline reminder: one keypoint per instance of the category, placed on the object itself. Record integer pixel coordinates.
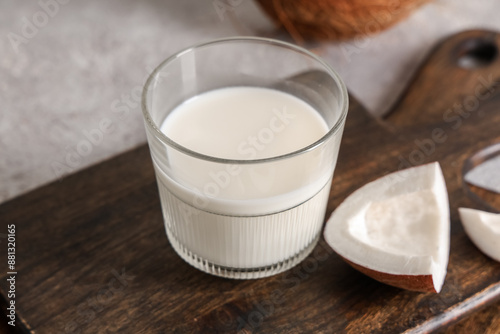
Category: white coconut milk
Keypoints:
(243, 215)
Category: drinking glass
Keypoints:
(276, 221)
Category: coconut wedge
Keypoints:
(483, 228)
(396, 229)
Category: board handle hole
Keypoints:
(475, 53)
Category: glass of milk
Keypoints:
(244, 135)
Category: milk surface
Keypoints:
(244, 123)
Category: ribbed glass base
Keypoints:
(243, 246)
(240, 273)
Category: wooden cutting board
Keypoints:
(92, 255)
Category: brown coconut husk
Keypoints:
(337, 19)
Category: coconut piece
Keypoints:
(396, 229)
(337, 19)
(483, 228)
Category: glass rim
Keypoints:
(166, 140)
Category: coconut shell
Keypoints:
(420, 283)
(337, 19)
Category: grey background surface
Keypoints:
(71, 70)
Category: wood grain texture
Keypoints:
(4, 327)
(486, 321)
(93, 256)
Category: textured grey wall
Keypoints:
(71, 70)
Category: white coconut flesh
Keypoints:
(483, 228)
(398, 224)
